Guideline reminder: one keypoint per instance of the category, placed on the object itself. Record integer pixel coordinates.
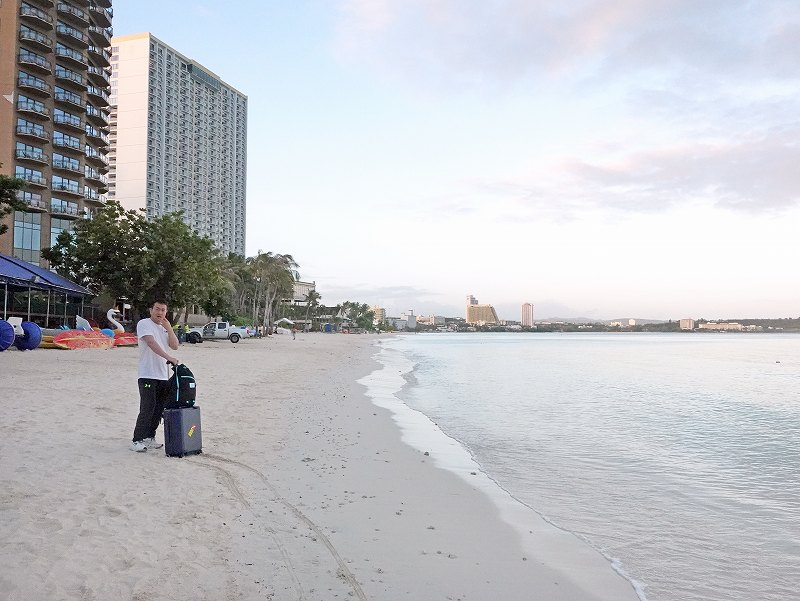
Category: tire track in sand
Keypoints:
(230, 483)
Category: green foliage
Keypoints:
(359, 314)
(130, 257)
(8, 198)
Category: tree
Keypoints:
(120, 251)
(312, 302)
(273, 275)
(9, 186)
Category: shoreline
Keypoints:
(305, 489)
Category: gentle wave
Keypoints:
(674, 456)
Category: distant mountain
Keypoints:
(570, 320)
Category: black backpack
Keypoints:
(182, 388)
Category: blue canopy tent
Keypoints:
(37, 294)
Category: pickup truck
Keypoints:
(217, 330)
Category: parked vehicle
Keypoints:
(217, 330)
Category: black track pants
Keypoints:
(152, 394)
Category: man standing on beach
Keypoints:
(155, 336)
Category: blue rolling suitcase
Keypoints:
(183, 434)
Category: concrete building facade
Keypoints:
(54, 80)
(481, 315)
(179, 136)
(527, 315)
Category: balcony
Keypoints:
(96, 177)
(70, 121)
(39, 17)
(36, 109)
(33, 180)
(36, 39)
(96, 136)
(96, 116)
(94, 196)
(72, 189)
(64, 209)
(68, 143)
(94, 155)
(34, 84)
(67, 165)
(101, 56)
(98, 76)
(36, 156)
(33, 200)
(72, 35)
(33, 60)
(98, 95)
(32, 131)
(102, 16)
(70, 77)
(73, 13)
(72, 56)
(69, 98)
(101, 36)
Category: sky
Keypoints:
(597, 158)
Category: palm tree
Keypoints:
(312, 302)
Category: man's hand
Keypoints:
(165, 324)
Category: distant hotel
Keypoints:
(179, 140)
(527, 315)
(478, 314)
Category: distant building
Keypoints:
(300, 291)
(631, 322)
(471, 301)
(481, 315)
(725, 326)
(686, 324)
(411, 319)
(379, 314)
(527, 315)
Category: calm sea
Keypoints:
(677, 456)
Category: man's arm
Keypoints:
(156, 348)
(173, 339)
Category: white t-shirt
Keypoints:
(151, 365)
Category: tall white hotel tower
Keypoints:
(527, 315)
(179, 140)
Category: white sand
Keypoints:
(304, 491)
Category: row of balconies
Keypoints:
(72, 189)
(71, 165)
(56, 207)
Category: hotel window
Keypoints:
(62, 183)
(57, 226)
(27, 236)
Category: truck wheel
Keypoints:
(235, 338)
(194, 338)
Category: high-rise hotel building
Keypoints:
(527, 315)
(179, 140)
(54, 78)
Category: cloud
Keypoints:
(754, 174)
(475, 41)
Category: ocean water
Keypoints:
(677, 456)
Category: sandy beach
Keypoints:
(304, 491)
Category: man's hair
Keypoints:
(157, 301)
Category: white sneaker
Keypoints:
(138, 446)
(151, 443)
